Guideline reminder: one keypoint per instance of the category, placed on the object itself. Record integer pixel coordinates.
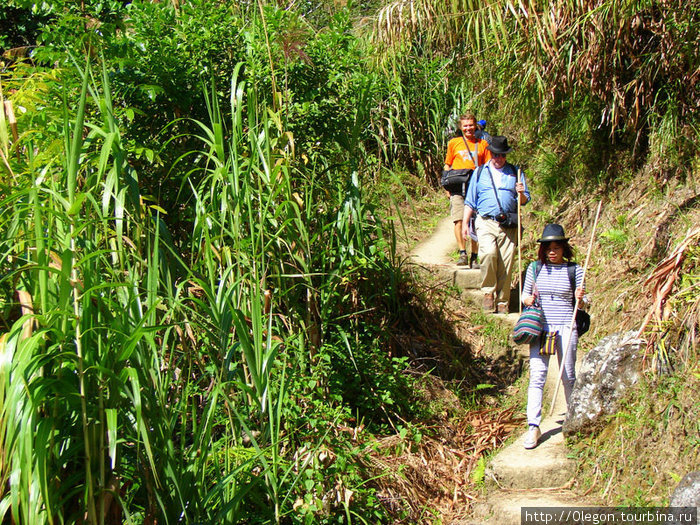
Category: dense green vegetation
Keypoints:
(198, 288)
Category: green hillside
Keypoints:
(207, 315)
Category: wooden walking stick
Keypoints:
(520, 256)
(568, 334)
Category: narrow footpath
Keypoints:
(517, 477)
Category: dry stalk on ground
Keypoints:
(434, 476)
(662, 282)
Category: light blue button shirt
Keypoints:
(480, 195)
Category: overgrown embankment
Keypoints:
(646, 276)
(203, 313)
(644, 272)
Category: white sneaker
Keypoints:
(532, 437)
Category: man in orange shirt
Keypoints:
(465, 152)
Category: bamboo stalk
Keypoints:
(9, 111)
(5, 112)
(565, 347)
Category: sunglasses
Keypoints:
(496, 155)
(553, 245)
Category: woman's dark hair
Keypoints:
(544, 246)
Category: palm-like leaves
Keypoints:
(637, 58)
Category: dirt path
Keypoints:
(437, 248)
(517, 477)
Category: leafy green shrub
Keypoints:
(169, 368)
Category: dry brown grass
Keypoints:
(433, 477)
(630, 57)
(662, 281)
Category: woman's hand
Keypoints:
(528, 300)
(579, 293)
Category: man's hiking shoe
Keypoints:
(463, 259)
(502, 308)
(532, 437)
(473, 264)
(488, 303)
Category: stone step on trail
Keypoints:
(438, 252)
(460, 276)
(506, 507)
(466, 278)
(545, 466)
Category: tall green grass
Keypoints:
(146, 377)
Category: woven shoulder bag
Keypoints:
(530, 324)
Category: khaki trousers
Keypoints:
(496, 251)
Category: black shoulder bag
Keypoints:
(458, 180)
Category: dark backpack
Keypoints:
(583, 319)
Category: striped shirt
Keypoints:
(554, 292)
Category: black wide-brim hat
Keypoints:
(499, 144)
(553, 232)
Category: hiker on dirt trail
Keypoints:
(493, 194)
(481, 133)
(464, 152)
(549, 281)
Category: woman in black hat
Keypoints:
(549, 281)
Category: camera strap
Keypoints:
(475, 161)
(495, 191)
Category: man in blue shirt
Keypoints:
(493, 193)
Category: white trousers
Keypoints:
(538, 372)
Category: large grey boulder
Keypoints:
(687, 495)
(604, 377)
